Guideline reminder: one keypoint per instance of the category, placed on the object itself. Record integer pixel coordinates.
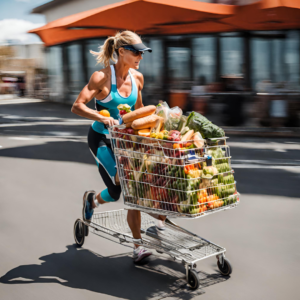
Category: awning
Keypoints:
(141, 16)
(267, 15)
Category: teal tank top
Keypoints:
(113, 100)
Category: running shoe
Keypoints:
(140, 253)
(87, 210)
(161, 225)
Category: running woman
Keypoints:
(116, 84)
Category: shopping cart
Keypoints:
(159, 178)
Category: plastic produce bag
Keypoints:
(162, 110)
(173, 120)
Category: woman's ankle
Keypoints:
(99, 199)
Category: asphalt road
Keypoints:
(46, 167)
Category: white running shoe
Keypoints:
(161, 225)
(140, 253)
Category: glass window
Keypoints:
(55, 72)
(204, 58)
(179, 63)
(278, 70)
(291, 57)
(92, 65)
(231, 55)
(260, 60)
(76, 75)
(275, 57)
(151, 65)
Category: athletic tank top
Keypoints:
(113, 99)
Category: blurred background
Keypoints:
(237, 62)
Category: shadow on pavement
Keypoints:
(45, 130)
(59, 151)
(115, 275)
(277, 182)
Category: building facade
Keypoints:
(177, 62)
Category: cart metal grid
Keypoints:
(175, 241)
(149, 183)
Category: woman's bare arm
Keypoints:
(93, 88)
(139, 101)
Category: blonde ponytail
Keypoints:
(108, 49)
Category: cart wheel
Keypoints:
(193, 279)
(79, 232)
(86, 230)
(226, 269)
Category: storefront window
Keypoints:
(260, 61)
(231, 55)
(151, 65)
(291, 57)
(55, 72)
(204, 59)
(92, 65)
(277, 46)
(76, 74)
(179, 63)
(275, 57)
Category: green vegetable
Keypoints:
(182, 123)
(194, 209)
(228, 179)
(214, 182)
(199, 123)
(224, 167)
(184, 130)
(210, 171)
(184, 207)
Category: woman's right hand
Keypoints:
(109, 121)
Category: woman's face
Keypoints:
(130, 58)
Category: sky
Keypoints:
(16, 20)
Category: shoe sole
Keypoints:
(84, 204)
(161, 228)
(142, 257)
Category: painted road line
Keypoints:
(276, 162)
(43, 123)
(20, 101)
(17, 138)
(16, 117)
(264, 146)
(293, 169)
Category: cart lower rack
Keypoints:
(180, 244)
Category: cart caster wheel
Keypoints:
(86, 230)
(79, 232)
(193, 279)
(226, 269)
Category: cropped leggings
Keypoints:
(106, 162)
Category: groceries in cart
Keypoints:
(172, 163)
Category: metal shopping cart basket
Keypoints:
(160, 177)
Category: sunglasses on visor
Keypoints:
(134, 51)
